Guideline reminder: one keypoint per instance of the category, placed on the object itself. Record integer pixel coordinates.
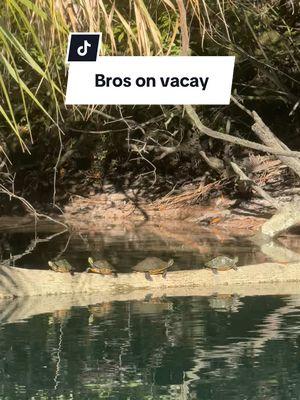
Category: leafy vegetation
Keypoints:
(60, 150)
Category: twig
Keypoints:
(32, 246)
(241, 106)
(258, 189)
(65, 247)
(213, 162)
(26, 203)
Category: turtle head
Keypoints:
(170, 262)
(52, 265)
(235, 259)
(91, 261)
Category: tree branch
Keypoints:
(258, 189)
(204, 130)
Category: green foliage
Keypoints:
(33, 37)
(29, 79)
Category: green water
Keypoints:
(181, 348)
(170, 348)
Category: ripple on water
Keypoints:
(139, 350)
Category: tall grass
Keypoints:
(33, 37)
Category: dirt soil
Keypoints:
(123, 208)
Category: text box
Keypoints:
(151, 80)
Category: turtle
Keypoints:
(153, 266)
(222, 263)
(61, 265)
(101, 266)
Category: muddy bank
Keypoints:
(16, 282)
(119, 208)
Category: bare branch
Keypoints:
(232, 139)
(258, 189)
(268, 137)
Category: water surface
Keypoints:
(218, 347)
(169, 348)
(123, 247)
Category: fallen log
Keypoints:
(285, 218)
(19, 282)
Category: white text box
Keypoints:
(201, 80)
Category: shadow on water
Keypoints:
(158, 348)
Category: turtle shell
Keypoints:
(101, 266)
(153, 265)
(60, 265)
(222, 263)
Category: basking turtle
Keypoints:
(153, 266)
(61, 265)
(222, 263)
(101, 266)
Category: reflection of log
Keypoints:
(23, 282)
(12, 310)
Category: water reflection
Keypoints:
(123, 248)
(98, 311)
(152, 305)
(158, 348)
(225, 302)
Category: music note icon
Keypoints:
(84, 46)
(82, 50)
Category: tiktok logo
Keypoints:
(83, 46)
(82, 50)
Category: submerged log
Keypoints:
(19, 282)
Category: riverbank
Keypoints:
(124, 209)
